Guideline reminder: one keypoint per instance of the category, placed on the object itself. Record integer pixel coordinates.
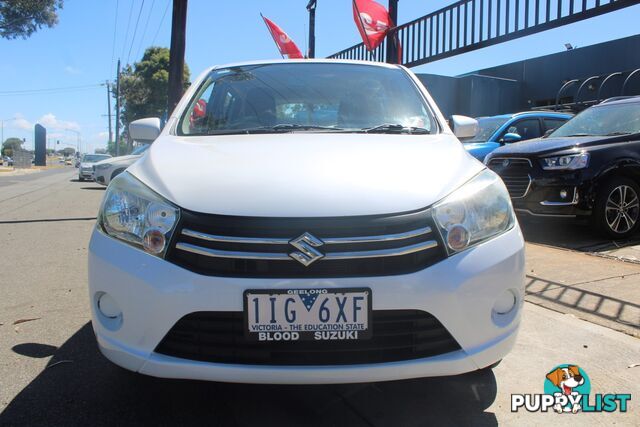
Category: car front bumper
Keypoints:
(545, 196)
(86, 174)
(154, 294)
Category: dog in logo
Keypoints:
(566, 379)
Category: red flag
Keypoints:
(286, 46)
(372, 20)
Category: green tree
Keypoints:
(100, 151)
(111, 147)
(69, 151)
(11, 144)
(21, 18)
(144, 86)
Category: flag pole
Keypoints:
(272, 36)
(355, 5)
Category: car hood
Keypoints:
(305, 175)
(547, 145)
(113, 160)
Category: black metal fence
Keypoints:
(473, 24)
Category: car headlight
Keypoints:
(102, 167)
(478, 211)
(135, 214)
(570, 162)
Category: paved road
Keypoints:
(52, 374)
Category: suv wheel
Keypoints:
(617, 211)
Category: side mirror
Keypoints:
(145, 130)
(464, 127)
(511, 137)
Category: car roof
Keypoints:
(304, 61)
(528, 113)
(620, 100)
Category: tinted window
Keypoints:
(526, 128)
(616, 119)
(350, 97)
(93, 158)
(553, 123)
(487, 127)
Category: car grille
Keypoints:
(219, 337)
(220, 245)
(515, 174)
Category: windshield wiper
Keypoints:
(620, 133)
(578, 134)
(283, 127)
(395, 128)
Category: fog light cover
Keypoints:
(108, 306)
(505, 302)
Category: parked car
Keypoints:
(85, 171)
(589, 167)
(244, 248)
(8, 161)
(497, 131)
(104, 171)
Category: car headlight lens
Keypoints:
(135, 214)
(570, 162)
(478, 211)
(102, 167)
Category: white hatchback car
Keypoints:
(329, 228)
(105, 170)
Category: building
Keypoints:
(534, 83)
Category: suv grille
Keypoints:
(515, 174)
(218, 337)
(220, 245)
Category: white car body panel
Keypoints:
(376, 173)
(103, 176)
(462, 302)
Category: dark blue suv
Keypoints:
(496, 131)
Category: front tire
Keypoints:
(617, 208)
(81, 179)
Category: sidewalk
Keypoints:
(599, 290)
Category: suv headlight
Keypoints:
(478, 211)
(135, 214)
(570, 162)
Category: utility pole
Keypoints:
(392, 36)
(311, 7)
(117, 140)
(176, 54)
(109, 109)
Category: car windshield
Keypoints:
(141, 149)
(307, 97)
(603, 120)
(486, 128)
(93, 158)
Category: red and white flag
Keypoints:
(286, 46)
(373, 22)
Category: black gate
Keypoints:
(473, 24)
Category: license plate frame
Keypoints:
(309, 335)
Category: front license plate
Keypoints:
(307, 314)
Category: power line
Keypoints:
(144, 32)
(115, 31)
(50, 90)
(161, 21)
(126, 33)
(135, 31)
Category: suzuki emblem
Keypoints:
(306, 244)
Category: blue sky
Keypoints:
(80, 51)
